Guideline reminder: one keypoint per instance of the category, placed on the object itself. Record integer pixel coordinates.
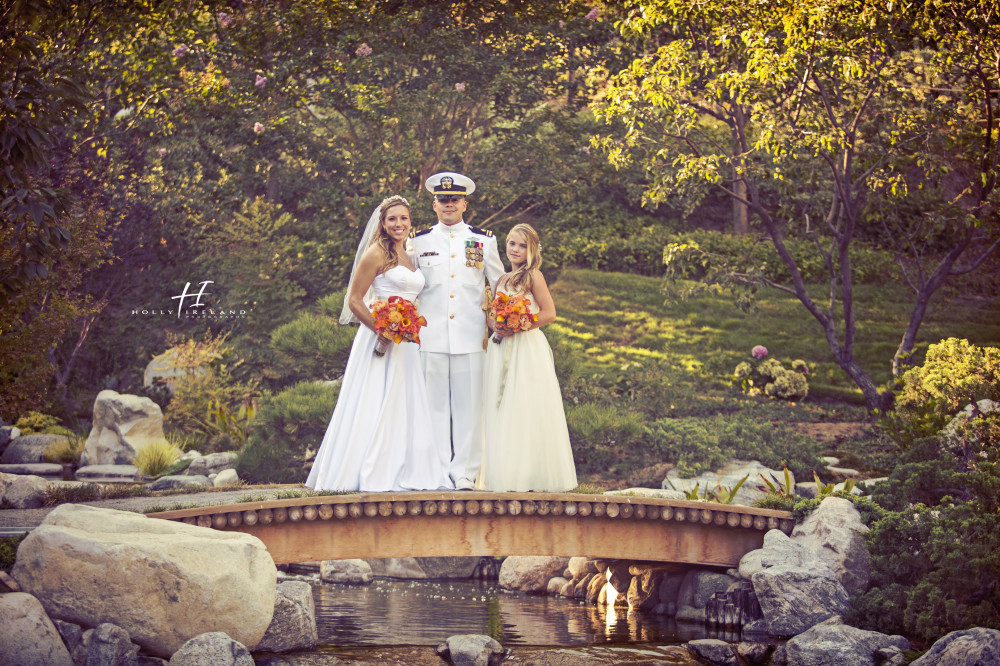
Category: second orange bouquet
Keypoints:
(511, 314)
(398, 320)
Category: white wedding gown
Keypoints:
(380, 437)
(526, 446)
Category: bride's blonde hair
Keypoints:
(382, 238)
(519, 279)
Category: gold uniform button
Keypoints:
(451, 295)
(451, 316)
(452, 255)
(453, 275)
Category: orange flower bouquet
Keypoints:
(511, 314)
(397, 320)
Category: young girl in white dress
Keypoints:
(380, 437)
(526, 446)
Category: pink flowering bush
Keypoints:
(363, 50)
(258, 128)
(768, 377)
(224, 19)
(261, 82)
(180, 50)
(593, 14)
(460, 87)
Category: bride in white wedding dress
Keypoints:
(380, 437)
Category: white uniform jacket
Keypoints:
(454, 261)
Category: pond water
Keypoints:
(407, 612)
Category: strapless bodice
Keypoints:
(399, 281)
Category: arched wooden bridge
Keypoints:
(435, 524)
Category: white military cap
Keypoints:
(449, 182)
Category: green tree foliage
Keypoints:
(36, 100)
(830, 121)
(245, 144)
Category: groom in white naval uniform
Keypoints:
(456, 260)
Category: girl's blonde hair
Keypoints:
(382, 238)
(519, 279)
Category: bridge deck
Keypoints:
(435, 524)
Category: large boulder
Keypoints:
(833, 643)
(294, 624)
(27, 635)
(795, 588)
(163, 582)
(835, 533)
(969, 647)
(29, 449)
(123, 424)
(531, 573)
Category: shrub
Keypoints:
(697, 445)
(604, 436)
(286, 433)
(36, 423)
(767, 376)
(955, 373)
(637, 251)
(943, 519)
(312, 346)
(206, 394)
(156, 457)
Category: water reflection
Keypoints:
(426, 612)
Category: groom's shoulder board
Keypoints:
(481, 232)
(422, 232)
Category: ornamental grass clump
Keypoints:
(66, 450)
(156, 457)
(768, 377)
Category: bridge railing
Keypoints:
(432, 524)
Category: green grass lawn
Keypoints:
(612, 319)
(647, 376)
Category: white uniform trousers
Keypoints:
(455, 392)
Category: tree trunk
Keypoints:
(874, 400)
(741, 216)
